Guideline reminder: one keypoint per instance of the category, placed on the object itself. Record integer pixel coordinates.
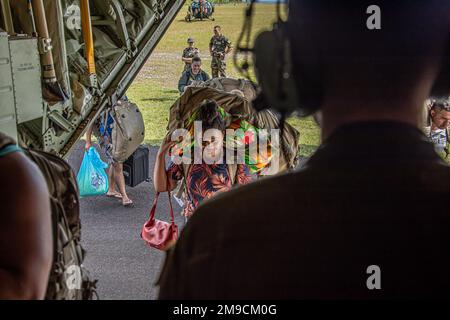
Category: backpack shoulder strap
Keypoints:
(7, 145)
(5, 140)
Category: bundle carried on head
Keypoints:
(235, 112)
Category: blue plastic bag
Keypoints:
(92, 178)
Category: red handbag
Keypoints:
(160, 234)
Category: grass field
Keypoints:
(155, 89)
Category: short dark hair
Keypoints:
(439, 105)
(218, 27)
(210, 116)
(196, 59)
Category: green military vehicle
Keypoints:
(63, 61)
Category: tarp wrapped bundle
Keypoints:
(239, 115)
(230, 84)
(244, 135)
(289, 137)
(264, 119)
(186, 105)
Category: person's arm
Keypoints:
(229, 47)
(183, 82)
(89, 137)
(160, 176)
(187, 60)
(25, 230)
(210, 46)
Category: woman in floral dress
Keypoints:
(203, 180)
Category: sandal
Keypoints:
(114, 195)
(128, 203)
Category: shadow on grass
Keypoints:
(158, 99)
(195, 20)
(172, 91)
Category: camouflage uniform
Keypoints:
(189, 52)
(218, 46)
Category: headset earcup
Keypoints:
(307, 73)
(278, 90)
(276, 77)
(265, 64)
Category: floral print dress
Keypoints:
(203, 181)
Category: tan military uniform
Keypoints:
(189, 52)
(218, 46)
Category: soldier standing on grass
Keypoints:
(219, 46)
(189, 53)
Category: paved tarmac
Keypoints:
(116, 255)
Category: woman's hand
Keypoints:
(166, 145)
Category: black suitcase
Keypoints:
(136, 167)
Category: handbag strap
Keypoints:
(153, 209)
(171, 208)
(155, 203)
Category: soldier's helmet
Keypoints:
(190, 40)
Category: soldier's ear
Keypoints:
(286, 87)
(441, 87)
